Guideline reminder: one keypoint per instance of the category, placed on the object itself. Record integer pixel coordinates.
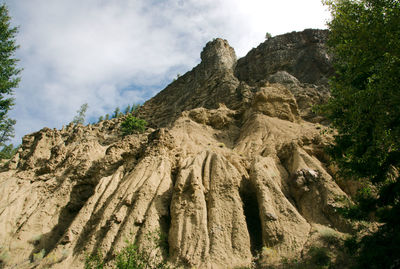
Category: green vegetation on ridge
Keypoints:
(132, 124)
(365, 111)
(117, 112)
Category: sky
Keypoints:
(113, 53)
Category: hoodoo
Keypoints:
(231, 170)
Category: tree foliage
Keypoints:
(8, 151)
(127, 110)
(365, 111)
(6, 129)
(117, 112)
(132, 124)
(9, 73)
(135, 108)
(131, 257)
(81, 114)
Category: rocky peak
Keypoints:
(218, 55)
(298, 60)
(301, 54)
(210, 83)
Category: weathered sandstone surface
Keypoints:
(232, 168)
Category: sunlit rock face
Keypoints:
(232, 169)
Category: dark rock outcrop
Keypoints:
(301, 54)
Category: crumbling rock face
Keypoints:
(299, 61)
(209, 84)
(233, 171)
(218, 56)
(301, 54)
(306, 95)
(208, 224)
(276, 101)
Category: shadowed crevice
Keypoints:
(79, 195)
(252, 213)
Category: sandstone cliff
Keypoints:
(232, 169)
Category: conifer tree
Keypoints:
(9, 73)
(81, 114)
(127, 110)
(117, 113)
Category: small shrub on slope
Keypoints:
(132, 124)
(130, 257)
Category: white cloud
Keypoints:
(79, 51)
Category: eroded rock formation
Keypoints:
(232, 168)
